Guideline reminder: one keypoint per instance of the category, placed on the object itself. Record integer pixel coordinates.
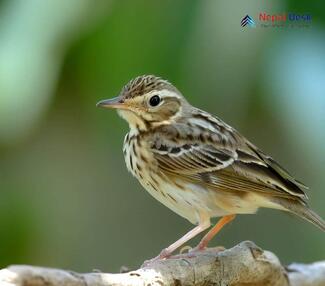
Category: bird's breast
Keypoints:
(137, 156)
(175, 195)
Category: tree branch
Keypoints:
(244, 264)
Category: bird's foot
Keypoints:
(199, 248)
(185, 249)
(192, 252)
(164, 254)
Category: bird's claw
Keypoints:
(200, 248)
(163, 255)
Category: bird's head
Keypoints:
(147, 101)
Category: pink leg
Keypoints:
(192, 233)
(203, 225)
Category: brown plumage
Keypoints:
(196, 164)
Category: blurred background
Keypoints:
(66, 198)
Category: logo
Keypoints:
(278, 20)
(247, 21)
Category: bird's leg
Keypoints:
(192, 233)
(203, 225)
(213, 231)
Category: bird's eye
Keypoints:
(155, 100)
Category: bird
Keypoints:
(196, 164)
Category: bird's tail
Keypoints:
(301, 209)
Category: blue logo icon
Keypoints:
(247, 21)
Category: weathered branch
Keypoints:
(244, 264)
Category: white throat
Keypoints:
(135, 123)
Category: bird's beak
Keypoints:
(116, 102)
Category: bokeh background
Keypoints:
(66, 198)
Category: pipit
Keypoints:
(196, 164)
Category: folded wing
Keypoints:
(226, 162)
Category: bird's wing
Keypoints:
(209, 152)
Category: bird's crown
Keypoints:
(144, 84)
